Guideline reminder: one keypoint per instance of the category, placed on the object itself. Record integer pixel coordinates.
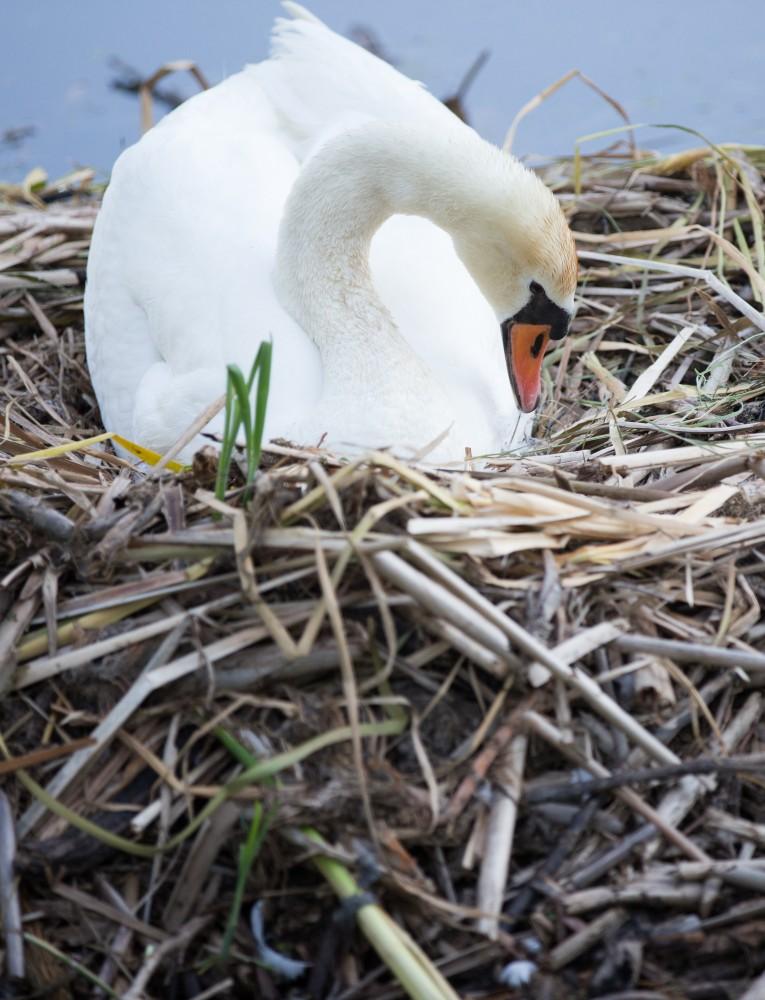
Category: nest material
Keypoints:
(520, 704)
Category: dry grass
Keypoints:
(409, 664)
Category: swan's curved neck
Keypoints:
(342, 196)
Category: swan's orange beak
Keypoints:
(525, 349)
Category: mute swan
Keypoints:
(409, 273)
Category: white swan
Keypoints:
(406, 269)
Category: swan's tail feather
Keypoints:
(300, 13)
(316, 79)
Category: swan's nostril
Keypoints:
(537, 346)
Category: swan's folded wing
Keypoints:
(317, 81)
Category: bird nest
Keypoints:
(486, 732)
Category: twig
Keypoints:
(754, 763)
(146, 87)
(157, 953)
(640, 892)
(610, 858)
(189, 434)
(692, 652)
(562, 849)
(38, 515)
(594, 933)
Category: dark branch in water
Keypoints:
(456, 102)
(473, 70)
(14, 137)
(369, 40)
(129, 81)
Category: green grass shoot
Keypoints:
(240, 415)
(248, 852)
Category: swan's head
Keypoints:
(519, 249)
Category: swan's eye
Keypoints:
(540, 310)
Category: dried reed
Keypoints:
(410, 657)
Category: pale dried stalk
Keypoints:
(157, 954)
(740, 828)
(700, 274)
(570, 949)
(747, 874)
(472, 650)
(549, 90)
(756, 991)
(713, 884)
(115, 911)
(123, 936)
(224, 986)
(147, 86)
(49, 666)
(687, 454)
(645, 382)
(741, 536)
(508, 776)
(10, 907)
(483, 628)
(189, 434)
(641, 892)
(578, 646)
(350, 690)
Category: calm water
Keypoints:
(692, 62)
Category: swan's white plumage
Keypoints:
(316, 78)
(181, 270)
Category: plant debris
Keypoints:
(489, 731)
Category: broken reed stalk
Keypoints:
(500, 830)
(408, 963)
(10, 908)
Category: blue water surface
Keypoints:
(694, 62)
